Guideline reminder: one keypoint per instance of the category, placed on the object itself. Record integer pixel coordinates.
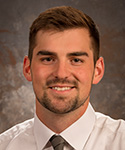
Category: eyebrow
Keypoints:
(45, 52)
(78, 54)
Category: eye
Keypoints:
(76, 61)
(47, 60)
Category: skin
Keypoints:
(62, 72)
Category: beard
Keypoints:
(46, 102)
(69, 103)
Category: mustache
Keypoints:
(61, 81)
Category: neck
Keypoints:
(59, 122)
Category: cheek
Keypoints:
(40, 74)
(38, 81)
(83, 75)
(85, 82)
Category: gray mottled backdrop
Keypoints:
(16, 95)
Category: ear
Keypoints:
(27, 69)
(99, 70)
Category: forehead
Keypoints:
(68, 40)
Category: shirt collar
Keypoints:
(42, 133)
(76, 135)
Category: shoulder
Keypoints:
(7, 136)
(104, 121)
(107, 134)
(111, 131)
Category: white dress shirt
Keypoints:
(93, 131)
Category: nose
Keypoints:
(62, 70)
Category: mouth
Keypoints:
(64, 88)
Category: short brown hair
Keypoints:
(60, 19)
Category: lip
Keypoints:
(61, 88)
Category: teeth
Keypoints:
(61, 88)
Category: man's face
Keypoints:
(62, 69)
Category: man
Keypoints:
(63, 63)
